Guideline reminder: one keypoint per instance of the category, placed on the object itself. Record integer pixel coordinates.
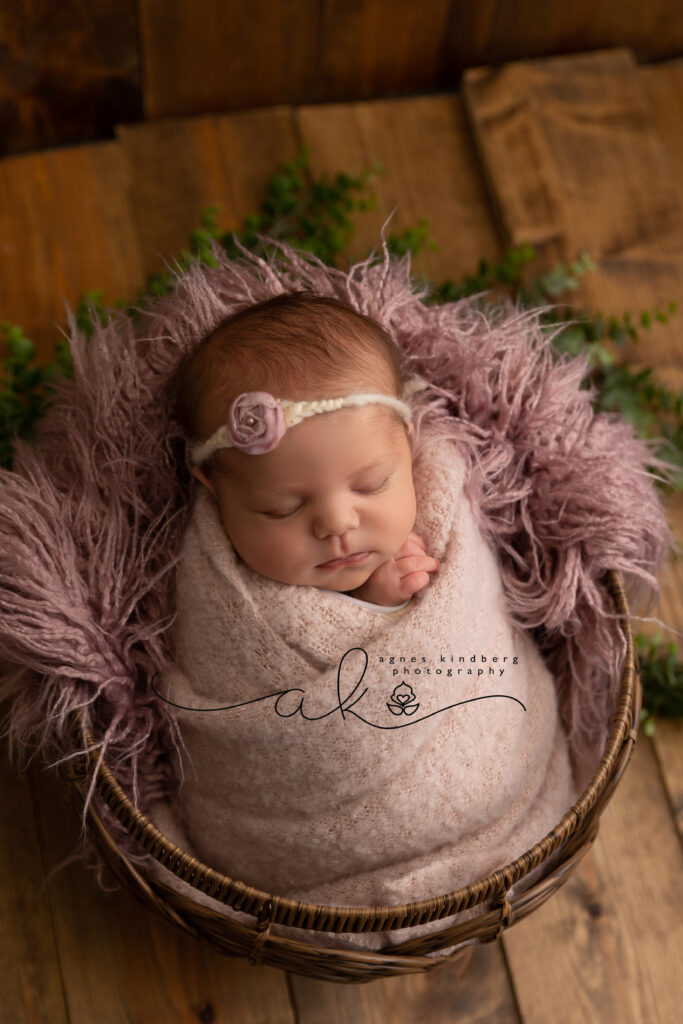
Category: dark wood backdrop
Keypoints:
(71, 71)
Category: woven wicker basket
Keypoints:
(573, 835)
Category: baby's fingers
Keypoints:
(413, 545)
(411, 583)
(418, 540)
(417, 563)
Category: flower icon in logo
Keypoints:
(256, 422)
(403, 700)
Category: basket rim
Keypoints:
(269, 908)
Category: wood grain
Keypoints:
(69, 72)
(430, 170)
(378, 48)
(607, 947)
(31, 977)
(663, 87)
(202, 56)
(65, 229)
(120, 963)
(574, 163)
(494, 32)
(483, 994)
(177, 168)
(668, 744)
(72, 71)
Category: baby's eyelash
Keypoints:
(286, 515)
(376, 490)
(281, 515)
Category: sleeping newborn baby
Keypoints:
(363, 724)
(331, 504)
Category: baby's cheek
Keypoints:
(406, 518)
(269, 546)
(283, 548)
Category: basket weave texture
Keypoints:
(572, 837)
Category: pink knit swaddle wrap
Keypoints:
(365, 784)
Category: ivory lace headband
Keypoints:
(257, 421)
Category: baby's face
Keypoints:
(338, 484)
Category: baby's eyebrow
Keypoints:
(374, 464)
(265, 492)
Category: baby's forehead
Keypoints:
(383, 442)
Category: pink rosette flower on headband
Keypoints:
(255, 423)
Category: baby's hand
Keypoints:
(401, 576)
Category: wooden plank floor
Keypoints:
(580, 152)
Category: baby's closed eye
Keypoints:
(374, 490)
(371, 489)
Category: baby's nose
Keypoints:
(335, 521)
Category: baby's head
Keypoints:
(335, 484)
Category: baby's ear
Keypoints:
(203, 478)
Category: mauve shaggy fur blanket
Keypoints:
(92, 513)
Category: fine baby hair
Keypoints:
(299, 346)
